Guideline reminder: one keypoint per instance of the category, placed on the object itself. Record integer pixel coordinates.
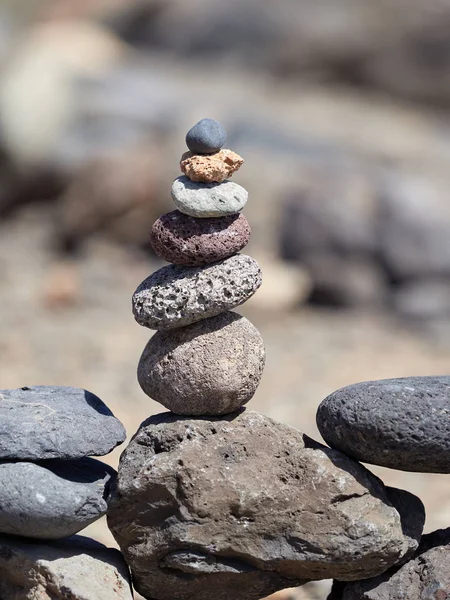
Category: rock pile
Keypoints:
(402, 424)
(50, 489)
(214, 501)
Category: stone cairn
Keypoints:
(216, 502)
(50, 489)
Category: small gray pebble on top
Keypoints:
(207, 136)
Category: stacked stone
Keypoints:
(402, 424)
(50, 489)
(214, 501)
(204, 359)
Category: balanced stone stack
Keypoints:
(50, 489)
(214, 501)
(401, 424)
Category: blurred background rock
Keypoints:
(342, 112)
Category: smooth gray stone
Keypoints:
(399, 423)
(42, 422)
(53, 499)
(206, 136)
(175, 296)
(77, 568)
(206, 200)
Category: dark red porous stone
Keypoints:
(184, 240)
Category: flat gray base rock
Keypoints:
(426, 575)
(176, 296)
(209, 368)
(55, 499)
(42, 422)
(236, 507)
(398, 423)
(208, 199)
(77, 569)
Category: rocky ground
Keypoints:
(69, 322)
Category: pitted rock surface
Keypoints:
(398, 423)
(208, 135)
(426, 575)
(210, 168)
(184, 240)
(43, 422)
(248, 505)
(53, 499)
(77, 568)
(212, 367)
(204, 200)
(175, 296)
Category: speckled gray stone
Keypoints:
(208, 199)
(53, 499)
(175, 296)
(209, 368)
(398, 423)
(206, 136)
(44, 422)
(235, 508)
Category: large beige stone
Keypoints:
(77, 568)
(238, 507)
(212, 367)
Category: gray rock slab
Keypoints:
(53, 499)
(208, 199)
(206, 136)
(176, 296)
(212, 367)
(77, 568)
(202, 505)
(425, 576)
(43, 422)
(399, 423)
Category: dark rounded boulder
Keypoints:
(399, 423)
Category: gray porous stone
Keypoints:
(206, 136)
(77, 569)
(175, 296)
(239, 506)
(53, 499)
(42, 422)
(209, 368)
(399, 423)
(426, 576)
(185, 240)
(205, 200)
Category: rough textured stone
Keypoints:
(426, 575)
(206, 136)
(210, 168)
(53, 499)
(44, 422)
(77, 568)
(399, 423)
(204, 200)
(175, 296)
(185, 240)
(209, 368)
(239, 506)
